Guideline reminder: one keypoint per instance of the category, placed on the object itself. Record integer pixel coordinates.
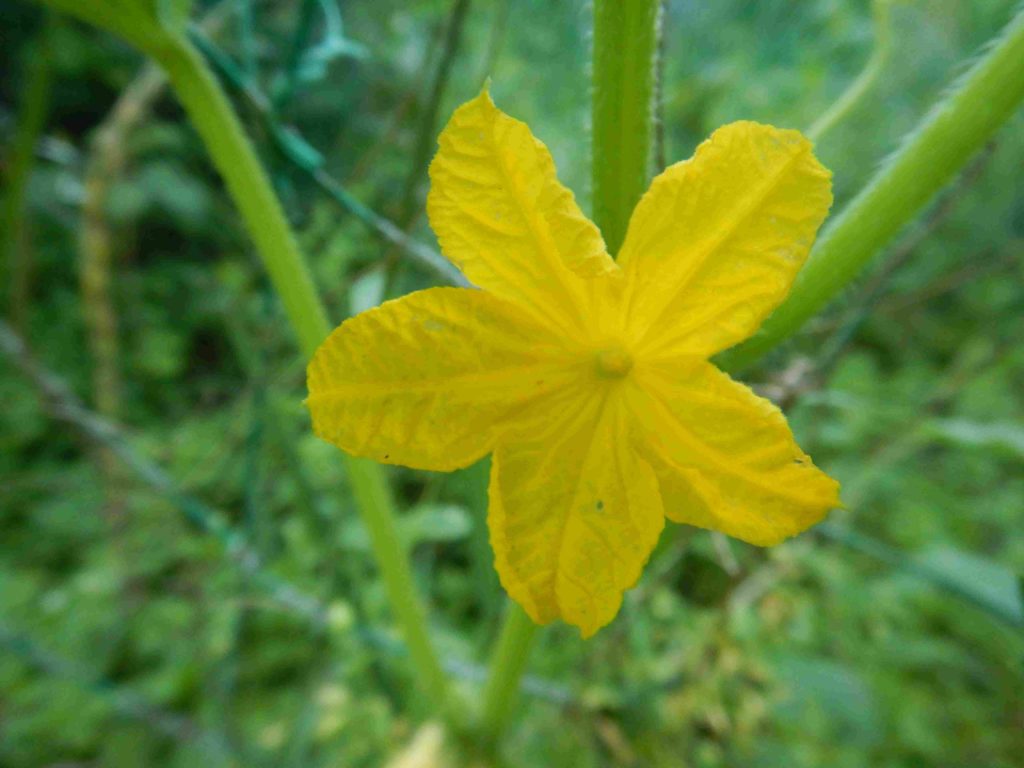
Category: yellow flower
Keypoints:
(589, 378)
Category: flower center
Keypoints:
(613, 362)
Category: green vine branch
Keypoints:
(306, 159)
(623, 69)
(881, 11)
(157, 27)
(233, 155)
(949, 136)
(508, 663)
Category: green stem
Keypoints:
(134, 21)
(308, 161)
(865, 81)
(946, 140)
(623, 70)
(35, 103)
(234, 157)
(374, 498)
(508, 663)
(624, 57)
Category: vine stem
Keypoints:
(214, 118)
(210, 111)
(233, 155)
(959, 125)
(508, 662)
(624, 55)
(881, 11)
(622, 111)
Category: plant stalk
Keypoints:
(623, 70)
(233, 155)
(881, 11)
(956, 128)
(213, 117)
(236, 160)
(508, 662)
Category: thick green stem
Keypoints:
(948, 137)
(508, 663)
(233, 155)
(375, 503)
(213, 117)
(624, 58)
(236, 160)
(133, 20)
(623, 70)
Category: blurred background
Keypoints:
(187, 583)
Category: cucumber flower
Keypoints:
(589, 378)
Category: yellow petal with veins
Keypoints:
(502, 217)
(574, 510)
(725, 458)
(432, 379)
(715, 243)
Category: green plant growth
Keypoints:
(256, 601)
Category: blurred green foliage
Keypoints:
(890, 638)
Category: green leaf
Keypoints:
(162, 188)
(1005, 436)
(981, 580)
(1020, 592)
(823, 694)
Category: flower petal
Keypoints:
(725, 458)
(502, 217)
(430, 380)
(574, 511)
(715, 243)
